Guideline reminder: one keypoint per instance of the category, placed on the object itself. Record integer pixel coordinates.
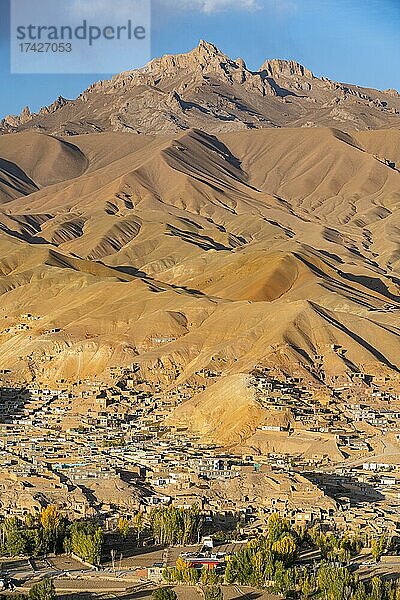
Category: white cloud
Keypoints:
(211, 6)
(218, 6)
(123, 9)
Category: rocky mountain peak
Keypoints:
(56, 105)
(285, 68)
(392, 92)
(205, 56)
(207, 49)
(17, 120)
(204, 88)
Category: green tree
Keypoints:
(209, 577)
(213, 593)
(52, 528)
(285, 549)
(176, 526)
(183, 572)
(231, 569)
(16, 539)
(378, 547)
(277, 527)
(43, 590)
(336, 583)
(360, 592)
(377, 589)
(252, 565)
(86, 541)
(123, 527)
(164, 594)
(138, 524)
(307, 586)
(285, 580)
(343, 556)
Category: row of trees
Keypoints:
(263, 559)
(340, 548)
(335, 548)
(337, 583)
(260, 562)
(210, 593)
(176, 526)
(39, 534)
(256, 565)
(169, 526)
(137, 525)
(85, 540)
(213, 592)
(269, 562)
(328, 582)
(50, 532)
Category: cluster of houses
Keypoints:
(104, 449)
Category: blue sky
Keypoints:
(355, 41)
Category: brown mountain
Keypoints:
(207, 90)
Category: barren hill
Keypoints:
(196, 250)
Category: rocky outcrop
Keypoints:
(285, 68)
(208, 90)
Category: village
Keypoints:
(105, 450)
(322, 457)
